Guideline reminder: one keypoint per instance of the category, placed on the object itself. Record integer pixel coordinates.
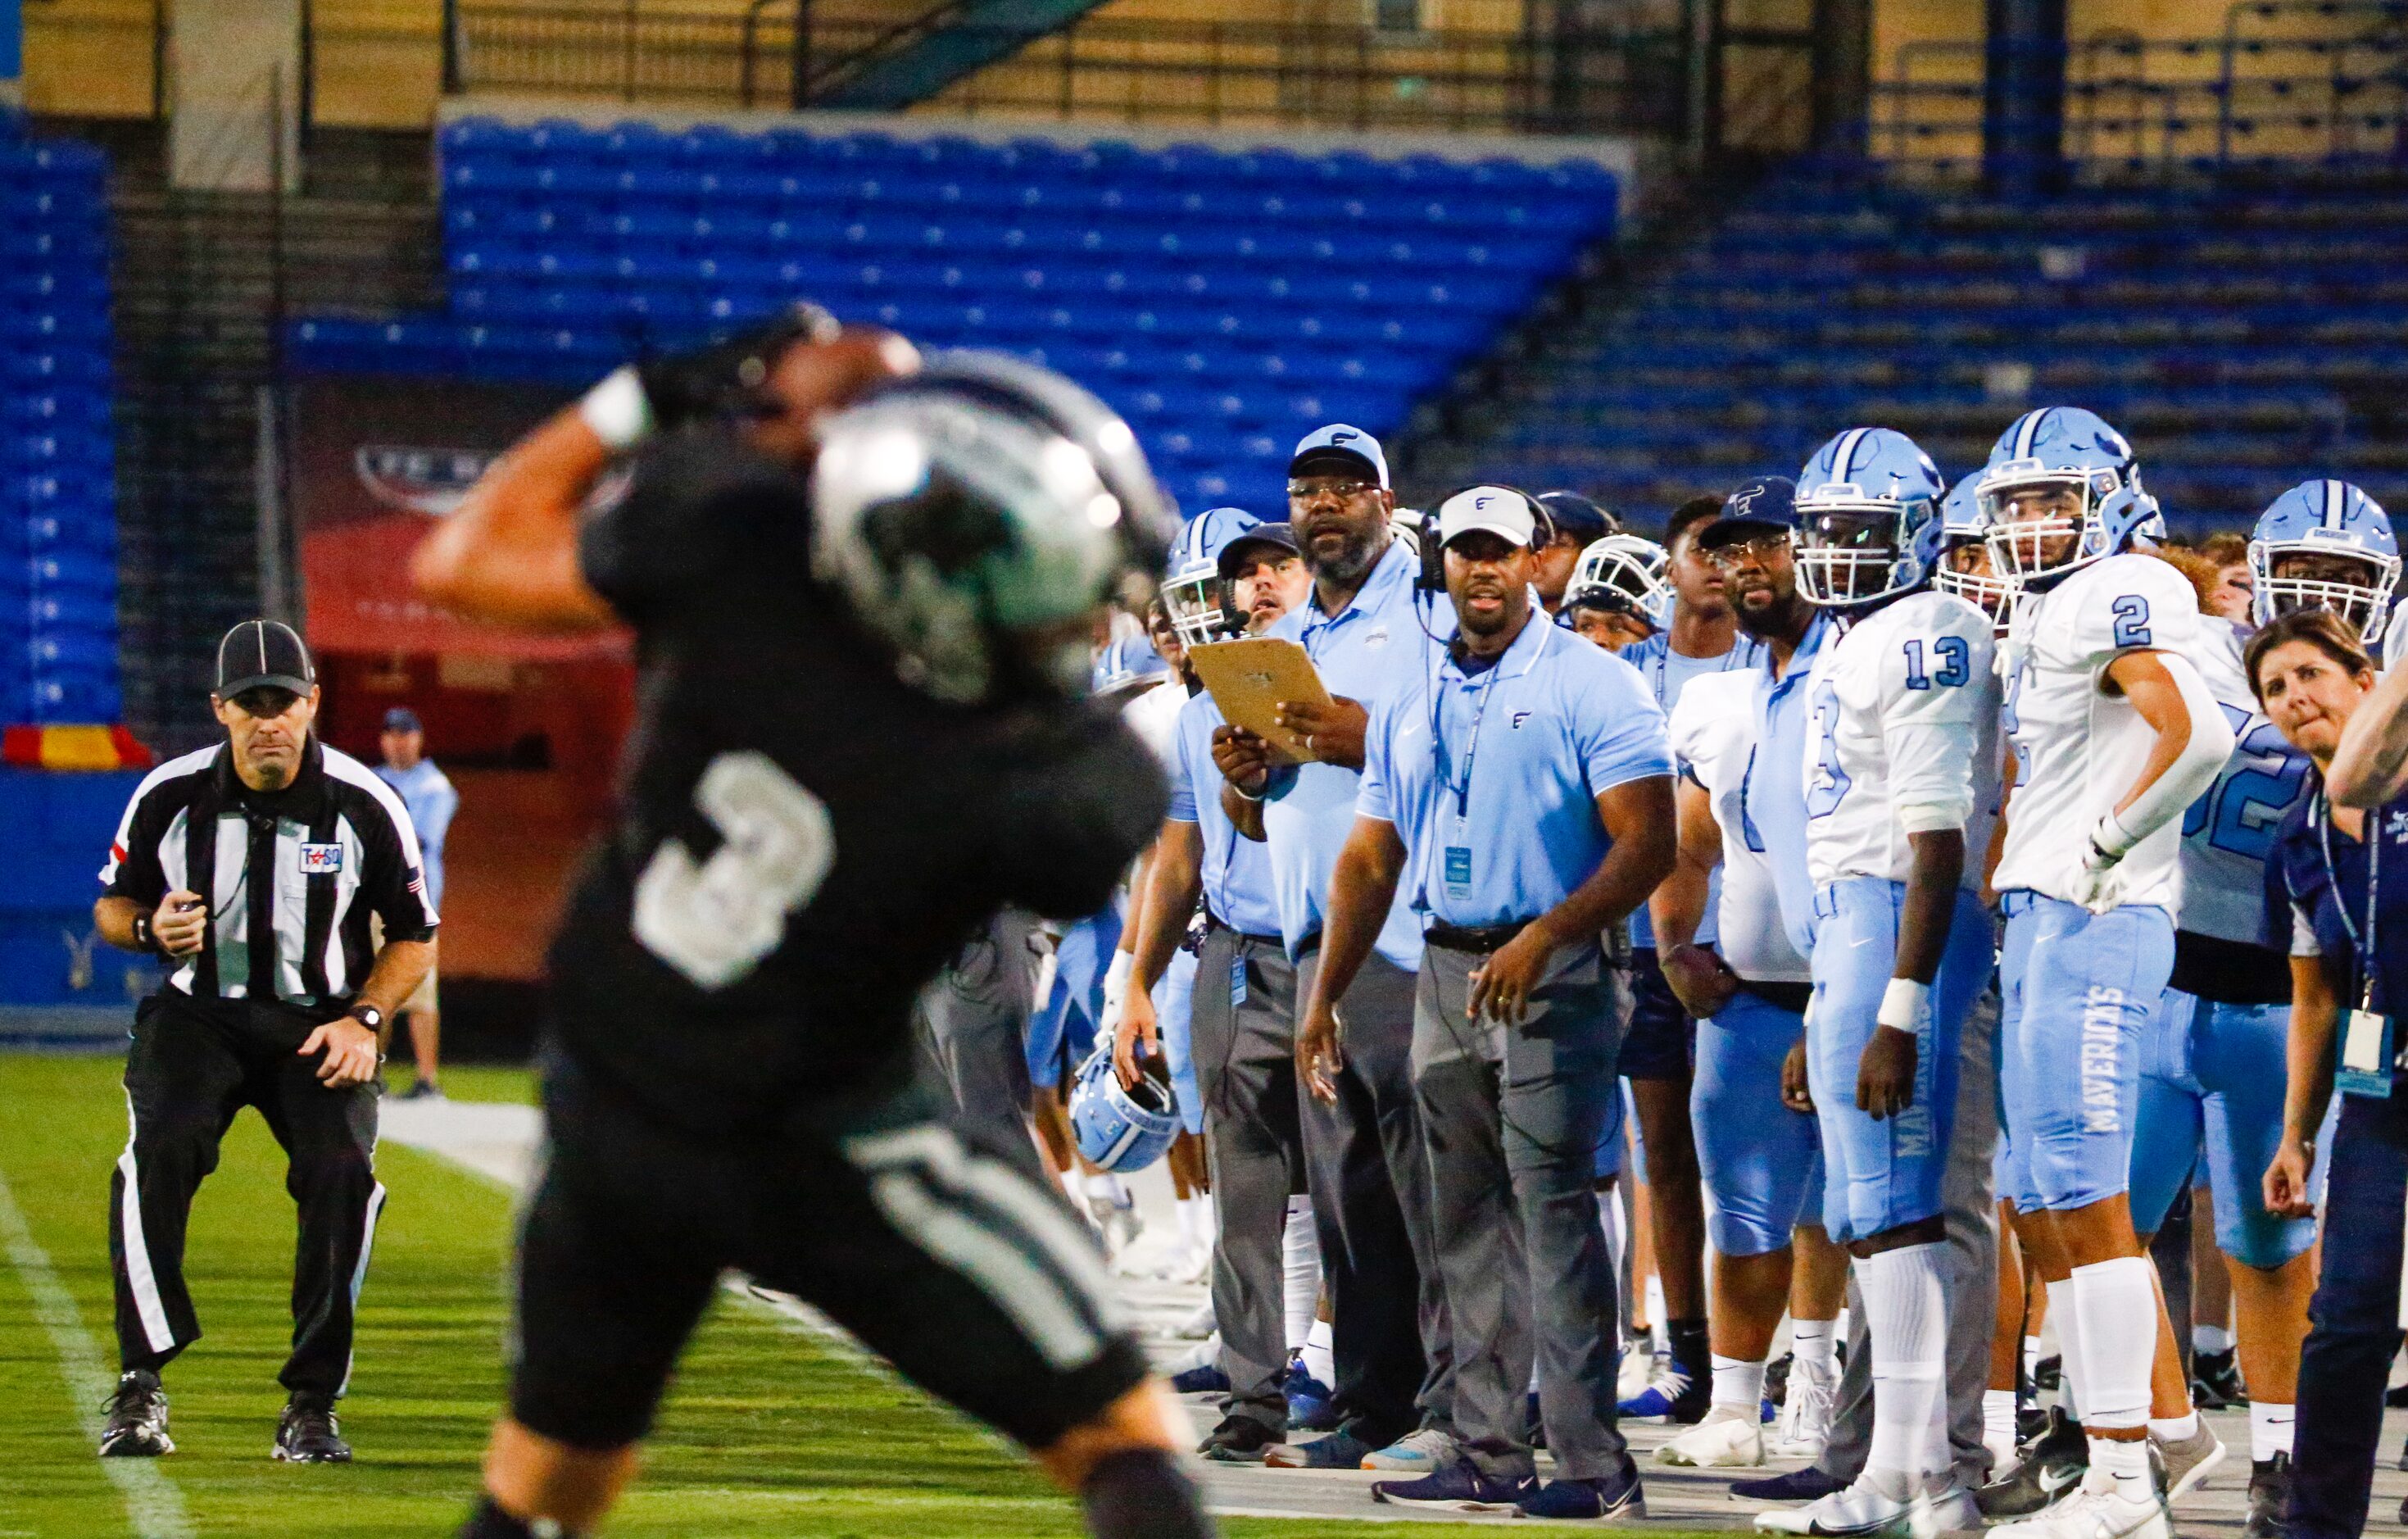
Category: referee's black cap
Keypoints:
(263, 651)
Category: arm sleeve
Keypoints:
(132, 869)
(1375, 798)
(1069, 829)
(692, 503)
(1619, 731)
(1937, 683)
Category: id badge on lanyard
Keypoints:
(2368, 1048)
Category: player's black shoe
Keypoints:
(1776, 1378)
(2216, 1381)
(2048, 1373)
(1239, 1440)
(137, 1418)
(308, 1433)
(2043, 1470)
(2270, 1493)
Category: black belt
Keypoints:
(1794, 998)
(1481, 941)
(1213, 921)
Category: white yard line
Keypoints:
(153, 1505)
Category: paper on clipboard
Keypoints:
(1247, 679)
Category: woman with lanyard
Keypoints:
(2338, 883)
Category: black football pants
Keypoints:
(192, 1065)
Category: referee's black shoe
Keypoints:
(137, 1418)
(308, 1433)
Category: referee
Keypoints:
(276, 997)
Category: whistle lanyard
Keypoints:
(2362, 941)
(1462, 789)
(1661, 665)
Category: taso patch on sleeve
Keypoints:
(320, 859)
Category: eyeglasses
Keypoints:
(1345, 491)
(1761, 547)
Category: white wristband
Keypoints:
(617, 411)
(2112, 839)
(1902, 1003)
(1117, 977)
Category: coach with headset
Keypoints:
(1519, 793)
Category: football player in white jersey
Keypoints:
(2118, 734)
(1900, 764)
(1761, 1159)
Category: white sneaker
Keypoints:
(1727, 1439)
(1203, 1353)
(1187, 1265)
(2097, 1510)
(1868, 1509)
(1805, 1422)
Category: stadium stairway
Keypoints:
(948, 43)
(202, 281)
(1226, 299)
(2244, 341)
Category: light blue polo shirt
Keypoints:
(1237, 869)
(1366, 652)
(1492, 778)
(1668, 673)
(1776, 781)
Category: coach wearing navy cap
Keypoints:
(1520, 794)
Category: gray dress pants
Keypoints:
(1370, 1186)
(1244, 1045)
(1512, 1117)
(972, 1023)
(1969, 1197)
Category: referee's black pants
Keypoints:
(192, 1065)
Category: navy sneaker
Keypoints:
(1310, 1403)
(1618, 1496)
(1339, 1451)
(1206, 1379)
(1806, 1484)
(1458, 1488)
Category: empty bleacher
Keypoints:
(2245, 340)
(58, 524)
(1227, 300)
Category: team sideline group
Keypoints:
(1932, 882)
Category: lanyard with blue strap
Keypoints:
(1459, 856)
(2367, 1052)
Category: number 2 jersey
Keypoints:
(1902, 738)
(2081, 747)
(800, 841)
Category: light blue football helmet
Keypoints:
(2061, 490)
(1867, 519)
(1623, 573)
(2338, 545)
(1192, 590)
(1962, 527)
(1120, 1130)
(1126, 665)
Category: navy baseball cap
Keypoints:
(1280, 535)
(263, 651)
(1338, 446)
(402, 719)
(1573, 517)
(1761, 503)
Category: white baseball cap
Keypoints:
(1341, 442)
(1499, 510)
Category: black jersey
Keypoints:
(800, 841)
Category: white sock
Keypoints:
(1616, 1224)
(1839, 1324)
(2069, 1344)
(1906, 1319)
(1817, 1345)
(1999, 1413)
(1739, 1384)
(2270, 1430)
(1070, 1187)
(1104, 1183)
(2180, 1428)
(1658, 1323)
(2210, 1339)
(1183, 1211)
(2116, 1305)
(1301, 1248)
(2031, 1357)
(1318, 1361)
(1208, 1220)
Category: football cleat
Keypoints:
(1879, 1505)
(1309, 1404)
(2050, 1467)
(308, 1433)
(137, 1418)
(1806, 1415)
(1727, 1439)
(1674, 1396)
(2270, 1497)
(2216, 1381)
(2098, 1510)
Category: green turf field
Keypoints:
(769, 1432)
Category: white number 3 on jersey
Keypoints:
(714, 922)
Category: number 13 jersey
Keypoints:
(1902, 738)
(800, 841)
(2082, 748)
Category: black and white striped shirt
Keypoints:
(304, 867)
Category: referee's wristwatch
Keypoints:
(367, 1015)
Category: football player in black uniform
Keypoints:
(862, 586)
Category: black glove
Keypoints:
(726, 379)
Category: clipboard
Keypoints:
(1248, 678)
